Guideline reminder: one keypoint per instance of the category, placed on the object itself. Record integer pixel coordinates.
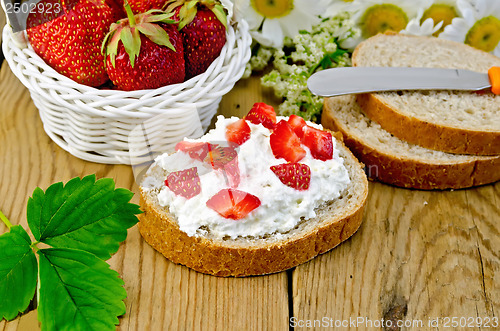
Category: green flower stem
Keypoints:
(314, 68)
(5, 220)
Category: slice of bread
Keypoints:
(394, 161)
(336, 221)
(460, 122)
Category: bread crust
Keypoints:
(223, 258)
(420, 132)
(410, 173)
(426, 134)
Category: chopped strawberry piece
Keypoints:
(297, 123)
(196, 150)
(319, 142)
(232, 173)
(295, 175)
(238, 132)
(219, 156)
(262, 113)
(285, 143)
(233, 204)
(185, 183)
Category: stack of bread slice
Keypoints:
(421, 139)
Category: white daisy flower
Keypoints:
(479, 26)
(270, 21)
(376, 16)
(467, 4)
(337, 7)
(426, 28)
(433, 17)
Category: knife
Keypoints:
(349, 80)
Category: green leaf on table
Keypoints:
(84, 214)
(18, 272)
(78, 291)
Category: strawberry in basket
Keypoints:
(70, 40)
(144, 51)
(142, 6)
(203, 26)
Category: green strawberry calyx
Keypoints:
(189, 8)
(128, 31)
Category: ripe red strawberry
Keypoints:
(70, 41)
(233, 204)
(219, 156)
(319, 142)
(203, 26)
(144, 51)
(285, 143)
(297, 123)
(117, 7)
(225, 158)
(185, 183)
(238, 132)
(142, 6)
(295, 175)
(232, 173)
(262, 113)
(197, 150)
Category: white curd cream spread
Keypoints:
(282, 207)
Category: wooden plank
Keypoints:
(161, 295)
(245, 93)
(417, 256)
(3, 19)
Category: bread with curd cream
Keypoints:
(206, 249)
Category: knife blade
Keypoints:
(351, 80)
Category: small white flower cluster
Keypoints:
(301, 56)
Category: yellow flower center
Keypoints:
(272, 8)
(440, 13)
(383, 17)
(484, 34)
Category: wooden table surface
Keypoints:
(418, 255)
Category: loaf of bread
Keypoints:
(451, 121)
(397, 162)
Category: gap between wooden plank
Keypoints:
(289, 274)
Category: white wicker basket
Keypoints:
(120, 127)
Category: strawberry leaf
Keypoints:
(219, 12)
(112, 39)
(187, 13)
(78, 291)
(151, 17)
(172, 4)
(132, 42)
(156, 34)
(84, 214)
(18, 272)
